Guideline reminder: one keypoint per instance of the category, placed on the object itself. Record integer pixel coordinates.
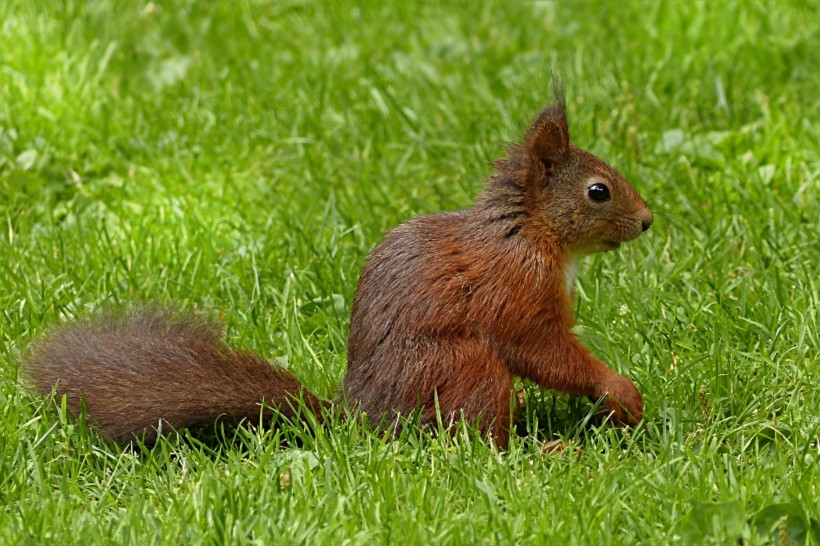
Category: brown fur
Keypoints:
(449, 308)
(152, 369)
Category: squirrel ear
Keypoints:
(548, 138)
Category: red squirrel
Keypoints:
(449, 308)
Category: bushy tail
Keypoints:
(151, 369)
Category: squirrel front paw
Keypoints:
(623, 404)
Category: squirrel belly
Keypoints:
(153, 369)
(449, 309)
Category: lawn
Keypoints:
(242, 158)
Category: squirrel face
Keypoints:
(583, 203)
(589, 206)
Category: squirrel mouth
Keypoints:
(612, 245)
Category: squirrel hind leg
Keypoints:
(477, 389)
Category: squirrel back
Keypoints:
(151, 369)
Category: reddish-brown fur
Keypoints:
(449, 309)
(153, 369)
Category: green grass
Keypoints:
(244, 157)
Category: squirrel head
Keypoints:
(569, 195)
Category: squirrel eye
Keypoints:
(598, 193)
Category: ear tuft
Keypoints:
(548, 138)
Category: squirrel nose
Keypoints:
(646, 219)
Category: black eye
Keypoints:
(598, 193)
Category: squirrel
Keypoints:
(449, 308)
